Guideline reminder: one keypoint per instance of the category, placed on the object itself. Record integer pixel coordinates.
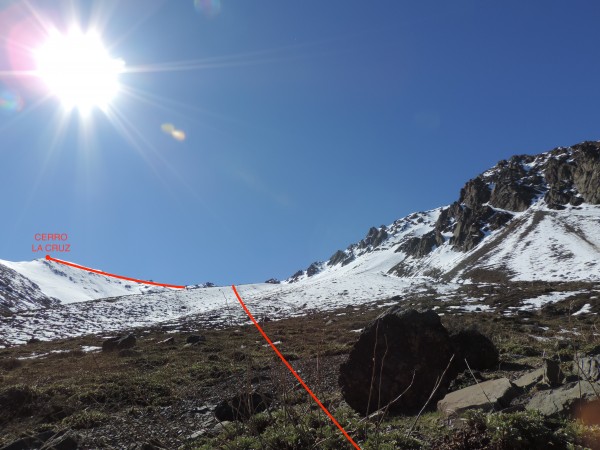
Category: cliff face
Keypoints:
(562, 176)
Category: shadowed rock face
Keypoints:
(566, 176)
(397, 349)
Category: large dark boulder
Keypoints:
(397, 349)
(479, 351)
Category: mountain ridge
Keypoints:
(546, 228)
(563, 179)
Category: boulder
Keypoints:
(487, 396)
(195, 339)
(479, 351)
(588, 367)
(397, 360)
(242, 406)
(568, 400)
(119, 343)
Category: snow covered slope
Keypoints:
(46, 282)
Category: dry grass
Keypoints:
(167, 393)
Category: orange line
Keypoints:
(291, 369)
(77, 266)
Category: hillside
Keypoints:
(42, 283)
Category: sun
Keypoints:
(78, 70)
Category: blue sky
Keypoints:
(306, 123)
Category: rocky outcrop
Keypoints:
(18, 292)
(374, 237)
(488, 202)
(340, 257)
(586, 176)
(588, 367)
(418, 246)
(487, 396)
(566, 400)
(563, 175)
(397, 361)
(313, 269)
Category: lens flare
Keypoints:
(10, 102)
(209, 8)
(170, 129)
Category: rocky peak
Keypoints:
(560, 177)
(563, 176)
(374, 237)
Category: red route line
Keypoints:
(291, 369)
(77, 266)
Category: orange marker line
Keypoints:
(77, 266)
(291, 369)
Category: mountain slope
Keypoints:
(528, 218)
(42, 283)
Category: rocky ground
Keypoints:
(165, 392)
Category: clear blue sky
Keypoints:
(307, 122)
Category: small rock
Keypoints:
(195, 339)
(492, 394)
(242, 406)
(553, 376)
(33, 340)
(220, 427)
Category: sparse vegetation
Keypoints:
(167, 394)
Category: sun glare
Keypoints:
(78, 70)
